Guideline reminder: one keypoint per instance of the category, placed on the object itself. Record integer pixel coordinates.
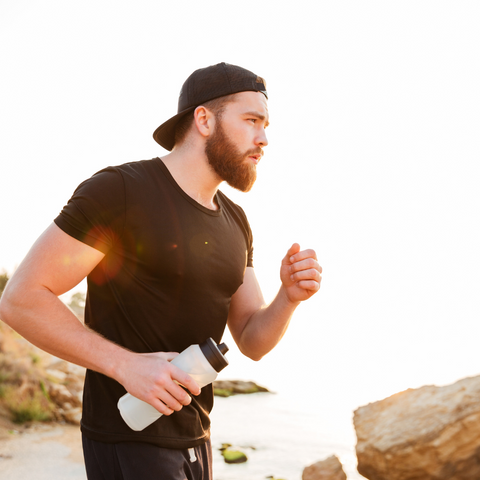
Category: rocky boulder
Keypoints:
(429, 433)
(329, 469)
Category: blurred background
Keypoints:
(373, 161)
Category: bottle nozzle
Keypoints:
(214, 353)
(223, 348)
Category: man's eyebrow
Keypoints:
(259, 115)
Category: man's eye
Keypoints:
(253, 120)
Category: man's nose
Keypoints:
(262, 140)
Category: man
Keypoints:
(169, 263)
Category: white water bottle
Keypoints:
(202, 362)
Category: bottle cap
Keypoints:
(214, 354)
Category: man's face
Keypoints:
(235, 147)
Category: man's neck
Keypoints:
(191, 170)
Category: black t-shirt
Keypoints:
(170, 269)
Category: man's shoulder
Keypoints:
(136, 167)
(115, 178)
(121, 175)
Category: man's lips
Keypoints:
(255, 158)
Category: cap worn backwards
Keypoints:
(204, 85)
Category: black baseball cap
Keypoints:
(204, 85)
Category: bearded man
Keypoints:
(169, 262)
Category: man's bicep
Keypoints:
(247, 300)
(56, 262)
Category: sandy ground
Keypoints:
(41, 452)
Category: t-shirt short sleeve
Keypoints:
(248, 234)
(95, 215)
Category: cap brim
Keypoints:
(165, 133)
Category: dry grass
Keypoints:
(22, 389)
(28, 406)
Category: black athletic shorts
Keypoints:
(144, 461)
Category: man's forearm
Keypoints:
(257, 328)
(45, 321)
(266, 327)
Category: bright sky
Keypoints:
(373, 157)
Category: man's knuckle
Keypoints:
(162, 379)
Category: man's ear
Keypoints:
(204, 121)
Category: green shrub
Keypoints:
(27, 407)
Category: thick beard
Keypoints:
(228, 162)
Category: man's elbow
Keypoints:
(5, 309)
(252, 354)
(10, 303)
(251, 347)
